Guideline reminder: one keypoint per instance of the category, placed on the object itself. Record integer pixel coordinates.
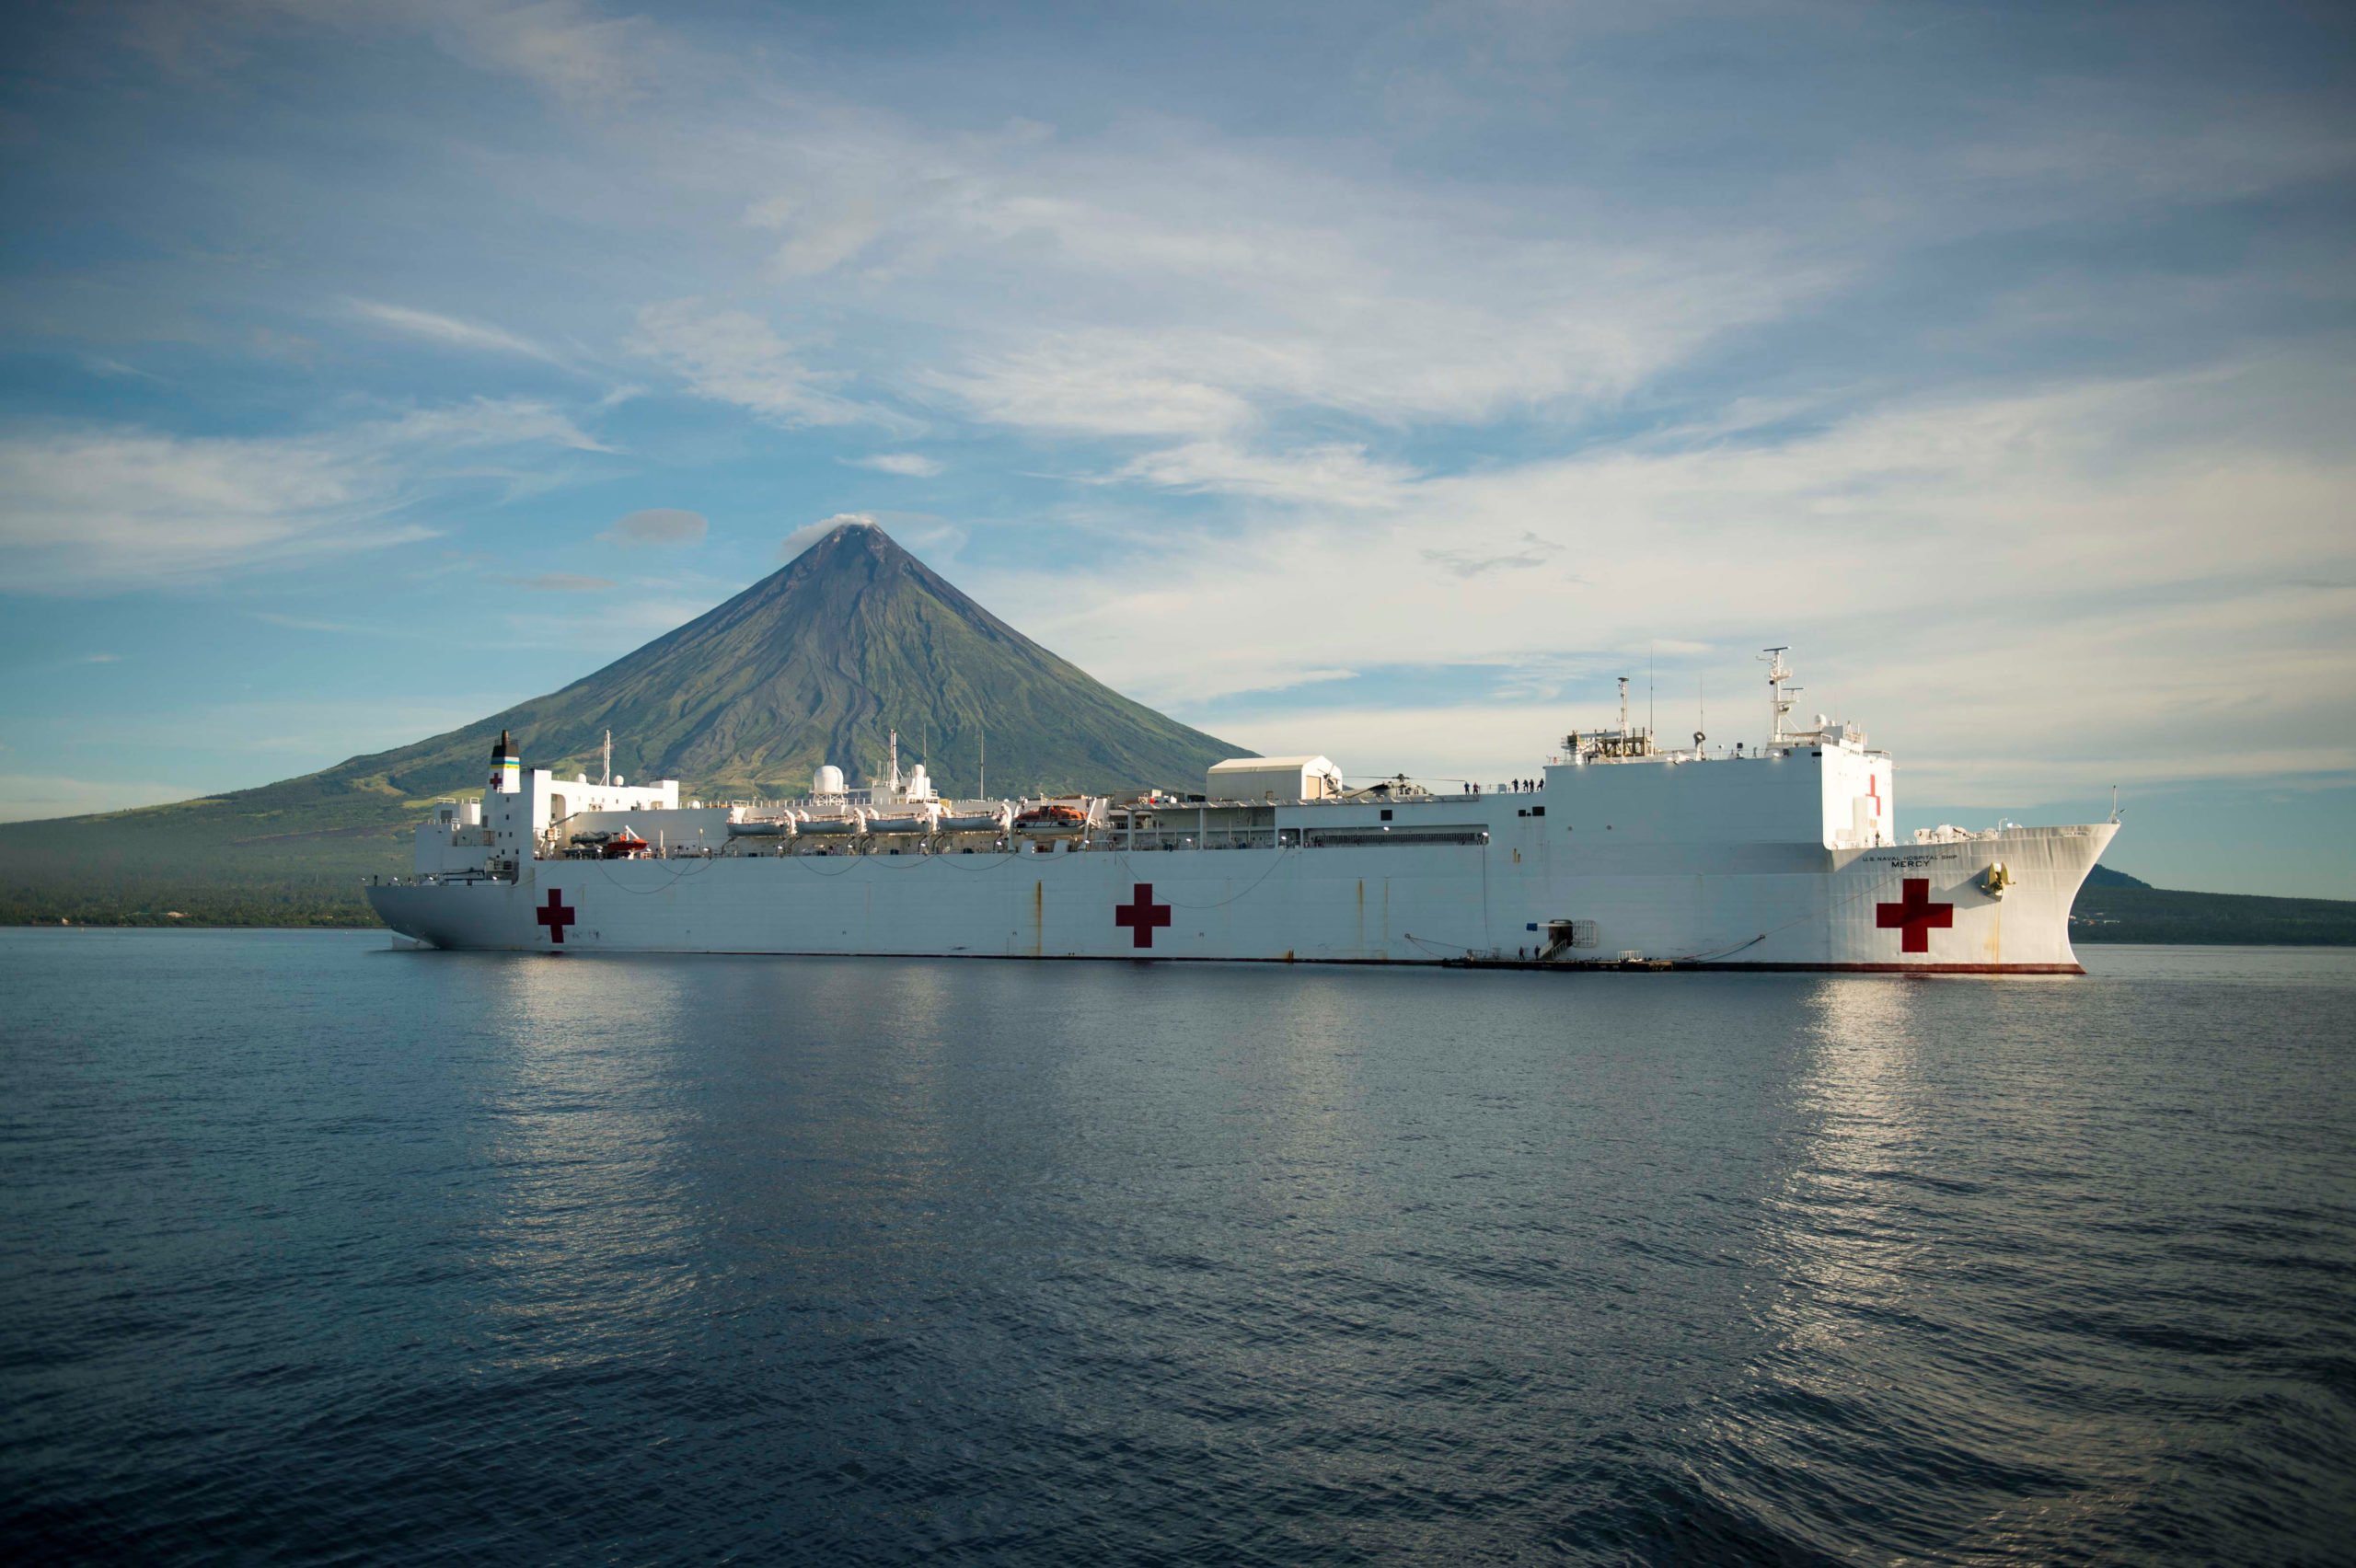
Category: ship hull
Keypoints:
(1919, 908)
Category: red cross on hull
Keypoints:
(1141, 915)
(555, 915)
(1914, 916)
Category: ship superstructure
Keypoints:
(1616, 851)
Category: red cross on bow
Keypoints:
(1914, 915)
(555, 917)
(1141, 915)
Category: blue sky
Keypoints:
(1373, 380)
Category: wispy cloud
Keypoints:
(1532, 551)
(733, 356)
(909, 465)
(659, 526)
(1338, 475)
(1069, 389)
(817, 241)
(308, 623)
(566, 49)
(560, 582)
(480, 423)
(449, 330)
(101, 365)
(96, 509)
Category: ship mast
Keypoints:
(1622, 744)
(1780, 696)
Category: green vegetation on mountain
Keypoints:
(2142, 914)
(815, 663)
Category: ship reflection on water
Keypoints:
(1949, 1261)
(587, 1224)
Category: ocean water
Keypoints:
(312, 1251)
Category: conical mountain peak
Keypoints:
(819, 662)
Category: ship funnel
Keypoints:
(506, 767)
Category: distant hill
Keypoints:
(816, 662)
(2115, 907)
(2134, 913)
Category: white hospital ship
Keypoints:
(1617, 852)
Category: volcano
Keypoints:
(817, 663)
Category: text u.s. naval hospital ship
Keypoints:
(1620, 853)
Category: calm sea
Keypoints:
(315, 1252)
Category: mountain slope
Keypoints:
(814, 663)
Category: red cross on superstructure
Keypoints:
(1141, 915)
(1873, 790)
(555, 917)
(1914, 915)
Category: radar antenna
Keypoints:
(1780, 694)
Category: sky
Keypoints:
(1366, 379)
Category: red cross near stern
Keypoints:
(555, 917)
(1914, 915)
(1141, 916)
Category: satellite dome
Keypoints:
(827, 781)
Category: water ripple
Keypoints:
(314, 1252)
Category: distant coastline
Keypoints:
(2208, 919)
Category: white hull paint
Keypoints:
(1708, 905)
(1783, 859)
